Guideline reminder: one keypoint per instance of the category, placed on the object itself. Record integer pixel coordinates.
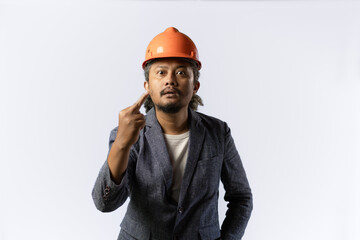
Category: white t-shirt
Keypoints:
(178, 148)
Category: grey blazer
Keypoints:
(151, 213)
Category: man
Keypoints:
(170, 162)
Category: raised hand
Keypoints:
(131, 121)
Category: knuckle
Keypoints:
(128, 121)
(122, 113)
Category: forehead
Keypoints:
(170, 63)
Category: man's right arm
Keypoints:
(117, 161)
(111, 188)
(131, 121)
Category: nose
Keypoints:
(171, 80)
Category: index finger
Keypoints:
(140, 101)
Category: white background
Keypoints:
(284, 75)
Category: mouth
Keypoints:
(170, 92)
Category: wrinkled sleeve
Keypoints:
(237, 192)
(106, 194)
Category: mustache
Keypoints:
(164, 91)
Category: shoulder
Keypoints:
(209, 118)
(211, 122)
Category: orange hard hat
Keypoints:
(171, 43)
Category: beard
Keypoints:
(169, 108)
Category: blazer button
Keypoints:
(181, 210)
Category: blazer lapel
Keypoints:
(197, 135)
(155, 138)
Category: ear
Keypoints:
(196, 87)
(146, 86)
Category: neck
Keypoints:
(173, 123)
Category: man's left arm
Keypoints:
(237, 192)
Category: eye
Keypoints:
(160, 73)
(180, 73)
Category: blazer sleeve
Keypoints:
(237, 192)
(106, 194)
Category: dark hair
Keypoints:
(195, 100)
